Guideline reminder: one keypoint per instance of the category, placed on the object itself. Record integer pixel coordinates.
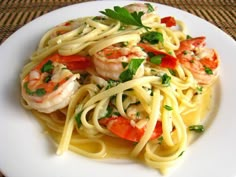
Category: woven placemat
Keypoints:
(16, 13)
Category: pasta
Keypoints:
(126, 85)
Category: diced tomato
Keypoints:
(169, 21)
(168, 61)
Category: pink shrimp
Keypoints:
(201, 61)
(108, 62)
(50, 85)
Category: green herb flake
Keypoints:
(108, 112)
(124, 64)
(152, 37)
(181, 154)
(157, 59)
(47, 79)
(196, 128)
(208, 70)
(134, 65)
(56, 86)
(121, 14)
(27, 90)
(116, 113)
(78, 118)
(111, 83)
(172, 72)
(126, 75)
(47, 67)
(150, 7)
(160, 140)
(188, 37)
(137, 114)
(40, 92)
(132, 68)
(168, 108)
(124, 97)
(150, 54)
(199, 89)
(165, 79)
(185, 52)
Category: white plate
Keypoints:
(26, 152)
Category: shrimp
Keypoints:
(139, 7)
(108, 62)
(50, 85)
(127, 129)
(201, 61)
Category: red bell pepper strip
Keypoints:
(168, 61)
(121, 127)
(72, 62)
(169, 21)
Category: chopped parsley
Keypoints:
(137, 114)
(27, 90)
(112, 83)
(196, 128)
(160, 139)
(150, 8)
(108, 112)
(188, 37)
(39, 92)
(152, 37)
(56, 86)
(47, 78)
(185, 52)
(157, 59)
(168, 108)
(124, 64)
(150, 54)
(165, 79)
(78, 118)
(181, 154)
(132, 68)
(208, 70)
(172, 72)
(199, 89)
(47, 67)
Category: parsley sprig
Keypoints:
(123, 15)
